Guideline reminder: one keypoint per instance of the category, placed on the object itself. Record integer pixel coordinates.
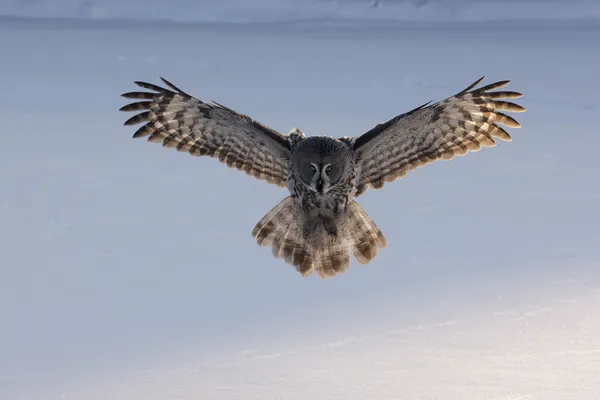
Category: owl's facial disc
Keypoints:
(323, 175)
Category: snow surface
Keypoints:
(129, 271)
(243, 11)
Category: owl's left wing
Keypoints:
(188, 124)
(452, 127)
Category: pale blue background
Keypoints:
(128, 271)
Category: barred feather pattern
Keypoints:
(283, 228)
(188, 124)
(460, 124)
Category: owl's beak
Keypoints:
(320, 185)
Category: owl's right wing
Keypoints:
(452, 127)
(189, 124)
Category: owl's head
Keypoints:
(321, 162)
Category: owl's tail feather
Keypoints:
(313, 248)
(280, 228)
(362, 235)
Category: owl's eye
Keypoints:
(328, 169)
(313, 168)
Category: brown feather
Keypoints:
(137, 106)
(188, 124)
(282, 228)
(136, 119)
(140, 95)
(453, 127)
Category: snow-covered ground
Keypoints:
(243, 11)
(129, 272)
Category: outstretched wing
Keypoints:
(201, 128)
(455, 126)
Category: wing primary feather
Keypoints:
(506, 120)
(137, 106)
(508, 106)
(144, 130)
(136, 119)
(504, 95)
(174, 87)
(151, 86)
(471, 86)
(492, 86)
(499, 132)
(140, 95)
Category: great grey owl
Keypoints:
(319, 224)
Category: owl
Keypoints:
(319, 225)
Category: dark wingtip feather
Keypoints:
(140, 95)
(507, 120)
(471, 86)
(151, 86)
(424, 105)
(136, 119)
(144, 131)
(504, 95)
(492, 86)
(137, 106)
(169, 84)
(508, 106)
(477, 82)
(500, 133)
